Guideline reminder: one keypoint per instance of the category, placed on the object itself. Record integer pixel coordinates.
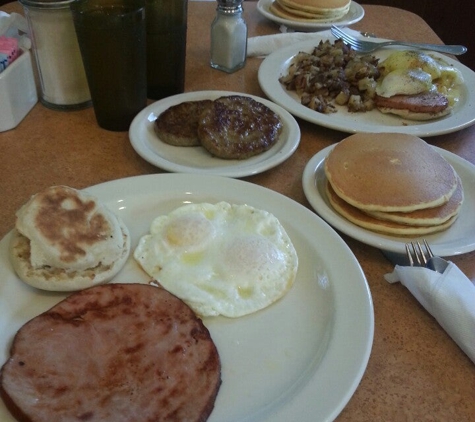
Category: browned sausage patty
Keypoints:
(116, 352)
(178, 125)
(238, 127)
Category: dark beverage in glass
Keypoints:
(166, 47)
(111, 36)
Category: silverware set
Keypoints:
(418, 257)
(370, 46)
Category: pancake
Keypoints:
(66, 240)
(389, 172)
(322, 7)
(280, 11)
(364, 220)
(428, 216)
(310, 10)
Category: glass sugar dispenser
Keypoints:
(228, 37)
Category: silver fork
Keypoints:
(370, 46)
(417, 257)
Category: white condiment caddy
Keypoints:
(18, 91)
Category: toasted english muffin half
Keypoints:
(66, 240)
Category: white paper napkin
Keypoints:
(265, 44)
(448, 297)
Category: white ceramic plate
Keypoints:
(354, 15)
(276, 65)
(289, 362)
(196, 159)
(458, 239)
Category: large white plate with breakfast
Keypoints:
(457, 239)
(354, 15)
(196, 159)
(276, 65)
(289, 361)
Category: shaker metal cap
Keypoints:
(229, 3)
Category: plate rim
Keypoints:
(236, 168)
(356, 8)
(205, 184)
(271, 69)
(384, 242)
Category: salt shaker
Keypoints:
(228, 37)
(61, 72)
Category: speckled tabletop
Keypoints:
(415, 371)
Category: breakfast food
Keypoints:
(411, 84)
(333, 74)
(65, 240)
(417, 86)
(221, 259)
(116, 352)
(230, 127)
(393, 183)
(178, 125)
(384, 225)
(310, 10)
(238, 127)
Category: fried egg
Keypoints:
(410, 72)
(221, 259)
(404, 82)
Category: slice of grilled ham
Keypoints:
(117, 352)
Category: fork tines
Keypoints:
(416, 254)
(338, 33)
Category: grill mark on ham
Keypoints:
(116, 352)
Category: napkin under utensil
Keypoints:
(263, 45)
(448, 297)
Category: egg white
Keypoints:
(410, 72)
(221, 259)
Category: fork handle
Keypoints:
(456, 50)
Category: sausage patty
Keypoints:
(116, 352)
(178, 125)
(238, 127)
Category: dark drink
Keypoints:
(111, 37)
(166, 47)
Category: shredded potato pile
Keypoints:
(333, 74)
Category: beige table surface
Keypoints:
(415, 372)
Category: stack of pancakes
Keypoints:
(310, 10)
(393, 183)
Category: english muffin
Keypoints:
(178, 125)
(66, 240)
(238, 127)
(389, 172)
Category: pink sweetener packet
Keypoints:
(9, 49)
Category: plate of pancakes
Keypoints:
(387, 205)
(277, 64)
(196, 159)
(310, 16)
(294, 353)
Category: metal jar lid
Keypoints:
(46, 4)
